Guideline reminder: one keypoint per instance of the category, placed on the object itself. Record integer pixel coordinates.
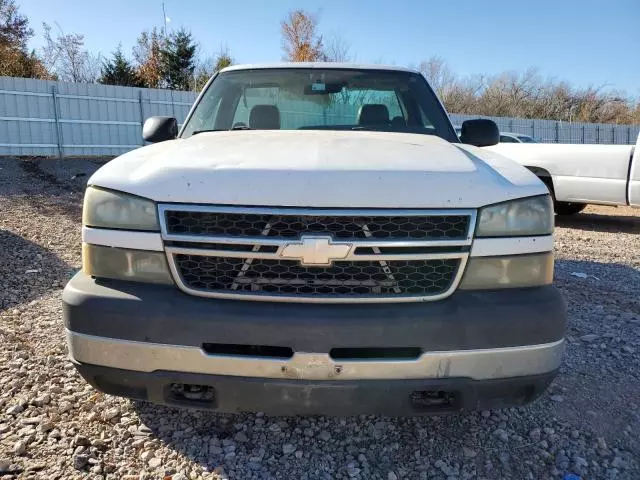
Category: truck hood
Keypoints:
(318, 169)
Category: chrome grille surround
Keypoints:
(291, 226)
(389, 253)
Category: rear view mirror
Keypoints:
(480, 132)
(159, 129)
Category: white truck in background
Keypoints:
(577, 175)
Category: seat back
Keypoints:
(398, 122)
(264, 117)
(373, 114)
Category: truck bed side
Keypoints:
(580, 173)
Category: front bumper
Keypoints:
(304, 397)
(478, 349)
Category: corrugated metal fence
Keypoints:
(552, 131)
(40, 117)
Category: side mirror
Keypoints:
(159, 129)
(480, 132)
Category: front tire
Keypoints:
(568, 208)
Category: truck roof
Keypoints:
(322, 65)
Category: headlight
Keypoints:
(124, 264)
(109, 209)
(528, 216)
(514, 271)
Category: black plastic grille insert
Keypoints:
(449, 227)
(343, 278)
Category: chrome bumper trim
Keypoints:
(481, 364)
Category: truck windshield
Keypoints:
(320, 99)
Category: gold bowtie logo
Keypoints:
(318, 251)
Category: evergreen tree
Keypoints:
(178, 56)
(119, 71)
(14, 27)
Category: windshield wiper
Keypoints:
(372, 128)
(195, 132)
(236, 127)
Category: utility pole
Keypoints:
(164, 20)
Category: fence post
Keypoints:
(56, 116)
(629, 135)
(141, 116)
(597, 133)
(583, 133)
(533, 128)
(557, 132)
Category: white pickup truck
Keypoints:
(581, 174)
(317, 240)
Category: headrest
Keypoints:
(373, 114)
(264, 117)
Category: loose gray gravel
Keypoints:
(53, 425)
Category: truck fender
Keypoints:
(544, 176)
(560, 208)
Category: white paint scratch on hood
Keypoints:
(318, 169)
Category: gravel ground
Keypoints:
(54, 426)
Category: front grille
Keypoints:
(338, 226)
(344, 278)
(316, 255)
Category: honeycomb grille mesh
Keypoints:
(449, 227)
(290, 278)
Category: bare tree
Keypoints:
(527, 95)
(336, 49)
(635, 114)
(438, 74)
(66, 56)
(463, 96)
(300, 39)
(208, 67)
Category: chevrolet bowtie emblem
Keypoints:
(318, 251)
